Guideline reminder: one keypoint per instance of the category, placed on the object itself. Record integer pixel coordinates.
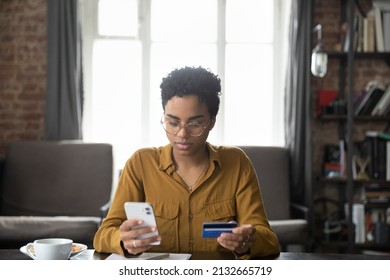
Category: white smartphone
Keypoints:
(142, 211)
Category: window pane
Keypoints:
(118, 18)
(116, 89)
(249, 21)
(248, 95)
(164, 58)
(184, 20)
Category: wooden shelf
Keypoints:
(343, 181)
(357, 118)
(360, 55)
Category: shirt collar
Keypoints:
(166, 161)
(167, 164)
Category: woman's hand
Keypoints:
(240, 240)
(130, 237)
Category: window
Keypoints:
(130, 45)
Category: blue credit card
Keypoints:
(214, 229)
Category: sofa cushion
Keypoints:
(21, 230)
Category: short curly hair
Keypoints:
(192, 81)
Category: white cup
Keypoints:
(50, 249)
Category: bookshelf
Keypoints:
(349, 127)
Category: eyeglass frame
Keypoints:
(181, 126)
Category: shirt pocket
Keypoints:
(223, 211)
(167, 224)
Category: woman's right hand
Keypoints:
(129, 236)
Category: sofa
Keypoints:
(272, 166)
(53, 189)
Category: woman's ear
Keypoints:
(213, 119)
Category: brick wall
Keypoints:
(23, 48)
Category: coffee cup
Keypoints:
(50, 249)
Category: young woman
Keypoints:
(189, 182)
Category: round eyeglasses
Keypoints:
(173, 126)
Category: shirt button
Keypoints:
(190, 216)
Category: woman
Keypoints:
(189, 182)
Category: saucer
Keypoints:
(77, 248)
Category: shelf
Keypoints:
(350, 129)
(373, 246)
(357, 118)
(382, 204)
(343, 181)
(360, 55)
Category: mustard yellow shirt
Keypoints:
(228, 190)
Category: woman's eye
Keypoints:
(173, 124)
(194, 125)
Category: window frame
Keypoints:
(89, 10)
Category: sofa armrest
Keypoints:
(299, 211)
(104, 210)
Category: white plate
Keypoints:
(77, 248)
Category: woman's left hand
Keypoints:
(240, 240)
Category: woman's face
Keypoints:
(184, 110)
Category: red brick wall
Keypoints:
(23, 48)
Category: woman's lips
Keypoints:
(183, 146)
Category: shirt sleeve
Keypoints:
(107, 238)
(250, 210)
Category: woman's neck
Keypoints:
(188, 161)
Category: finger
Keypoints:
(134, 247)
(240, 240)
(136, 234)
(128, 224)
(229, 243)
(244, 229)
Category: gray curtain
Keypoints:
(64, 97)
(297, 101)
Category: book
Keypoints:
(372, 141)
(381, 158)
(370, 35)
(388, 161)
(382, 104)
(360, 35)
(358, 218)
(380, 47)
(365, 34)
(347, 41)
(384, 7)
(374, 93)
(343, 159)
(325, 98)
(386, 30)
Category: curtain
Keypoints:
(297, 101)
(64, 97)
